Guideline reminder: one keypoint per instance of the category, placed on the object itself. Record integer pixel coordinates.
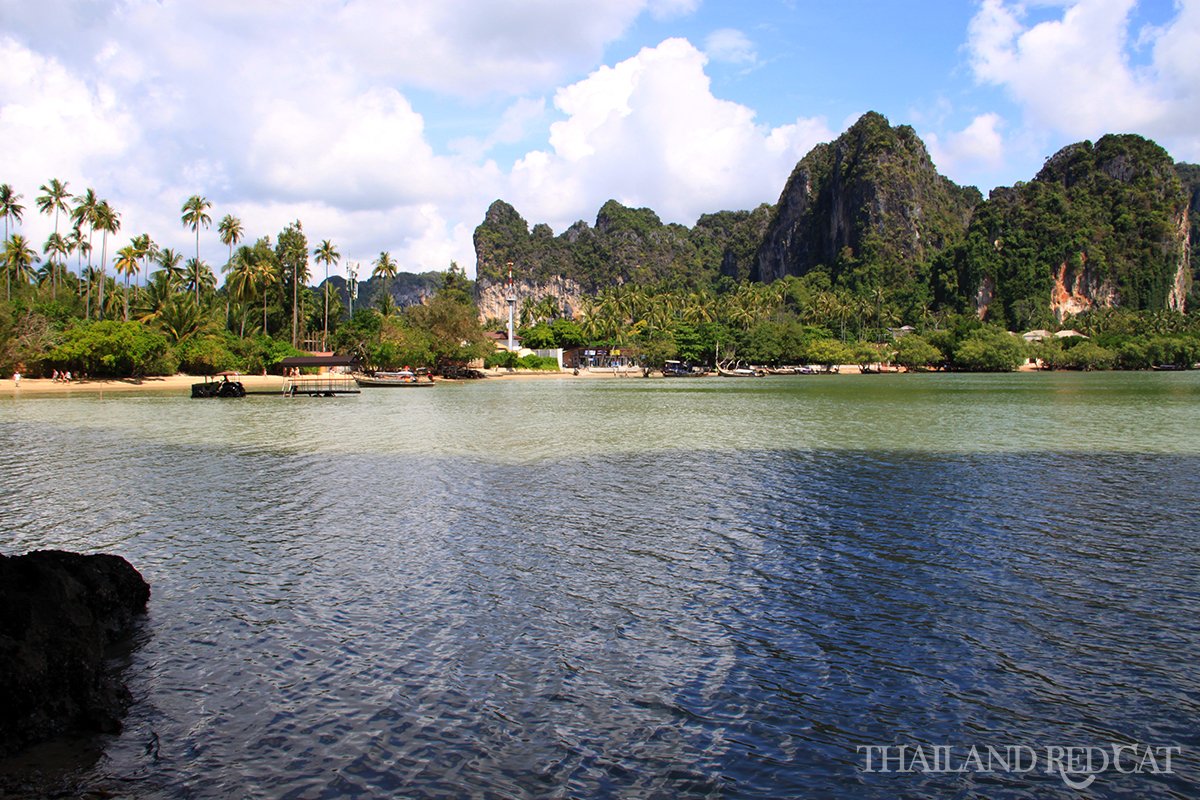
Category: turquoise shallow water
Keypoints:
(634, 588)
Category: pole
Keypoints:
(512, 302)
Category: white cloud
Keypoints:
(979, 145)
(1074, 76)
(730, 45)
(649, 132)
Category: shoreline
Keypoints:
(45, 387)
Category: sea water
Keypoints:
(641, 588)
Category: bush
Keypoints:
(990, 350)
(1087, 355)
(532, 361)
(913, 352)
(503, 359)
(207, 355)
(112, 349)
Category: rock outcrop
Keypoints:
(870, 197)
(60, 613)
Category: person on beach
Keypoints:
(17, 379)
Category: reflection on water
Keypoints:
(632, 588)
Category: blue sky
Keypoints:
(393, 124)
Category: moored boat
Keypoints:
(400, 379)
(681, 369)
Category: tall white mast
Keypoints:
(512, 302)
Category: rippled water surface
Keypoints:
(633, 588)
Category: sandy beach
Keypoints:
(181, 384)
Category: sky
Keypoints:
(394, 124)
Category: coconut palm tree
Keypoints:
(199, 277)
(53, 201)
(194, 214)
(19, 259)
(151, 301)
(230, 231)
(9, 208)
(328, 254)
(265, 276)
(386, 268)
(84, 213)
(147, 251)
(181, 317)
(107, 221)
(169, 262)
(56, 246)
(242, 280)
(126, 264)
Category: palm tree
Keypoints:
(194, 213)
(385, 268)
(181, 317)
(326, 253)
(52, 202)
(84, 213)
(56, 245)
(230, 230)
(265, 276)
(19, 258)
(147, 251)
(242, 282)
(199, 276)
(169, 262)
(107, 220)
(158, 292)
(9, 207)
(126, 264)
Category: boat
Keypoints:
(681, 369)
(222, 388)
(740, 372)
(401, 379)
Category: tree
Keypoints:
(990, 350)
(9, 207)
(19, 258)
(914, 352)
(193, 214)
(126, 264)
(84, 213)
(53, 201)
(385, 268)
(326, 254)
(147, 251)
(107, 221)
(169, 262)
(56, 250)
(200, 277)
(291, 254)
(230, 231)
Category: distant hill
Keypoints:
(1107, 224)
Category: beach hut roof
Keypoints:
(319, 361)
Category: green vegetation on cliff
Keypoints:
(1099, 225)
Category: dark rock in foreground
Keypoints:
(59, 615)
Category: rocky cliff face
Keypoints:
(492, 298)
(872, 196)
(626, 245)
(1099, 226)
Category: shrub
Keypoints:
(112, 349)
(990, 350)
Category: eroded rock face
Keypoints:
(60, 613)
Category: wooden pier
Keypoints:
(311, 386)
